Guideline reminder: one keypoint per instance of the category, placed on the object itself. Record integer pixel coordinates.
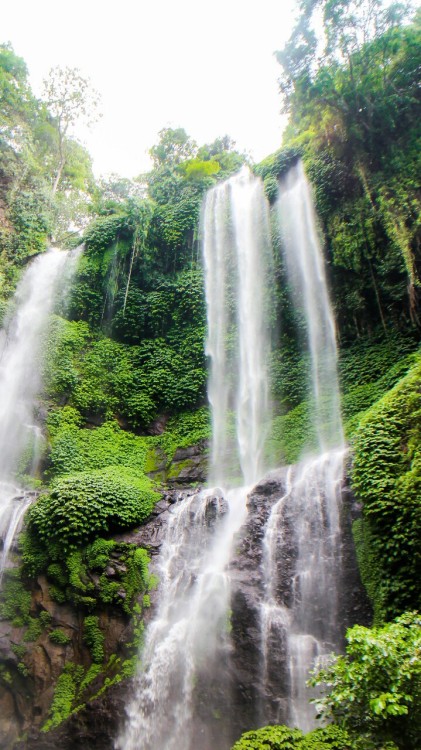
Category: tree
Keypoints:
(70, 99)
(173, 147)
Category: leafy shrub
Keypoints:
(64, 695)
(269, 738)
(85, 504)
(284, 738)
(102, 378)
(374, 691)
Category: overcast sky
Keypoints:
(207, 67)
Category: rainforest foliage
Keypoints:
(124, 361)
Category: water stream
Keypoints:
(20, 382)
(307, 518)
(182, 696)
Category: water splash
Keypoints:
(183, 691)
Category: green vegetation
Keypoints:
(15, 600)
(125, 369)
(284, 738)
(94, 638)
(64, 696)
(349, 85)
(85, 504)
(59, 637)
(374, 691)
(386, 476)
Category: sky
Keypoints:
(206, 67)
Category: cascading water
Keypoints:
(20, 374)
(182, 695)
(305, 613)
(307, 277)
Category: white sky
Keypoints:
(208, 68)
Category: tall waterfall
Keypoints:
(182, 697)
(20, 373)
(236, 249)
(307, 277)
(306, 612)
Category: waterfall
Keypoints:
(307, 278)
(20, 382)
(305, 612)
(182, 692)
(236, 251)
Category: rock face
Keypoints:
(259, 701)
(188, 466)
(26, 699)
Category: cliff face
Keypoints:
(261, 691)
(32, 681)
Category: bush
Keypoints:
(284, 738)
(59, 637)
(83, 505)
(374, 691)
(270, 738)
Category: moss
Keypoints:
(64, 695)
(15, 599)
(386, 476)
(59, 637)
(153, 460)
(177, 467)
(94, 638)
(370, 570)
(34, 630)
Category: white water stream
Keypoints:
(305, 614)
(20, 374)
(183, 685)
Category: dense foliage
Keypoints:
(354, 117)
(83, 505)
(374, 691)
(387, 477)
(284, 738)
